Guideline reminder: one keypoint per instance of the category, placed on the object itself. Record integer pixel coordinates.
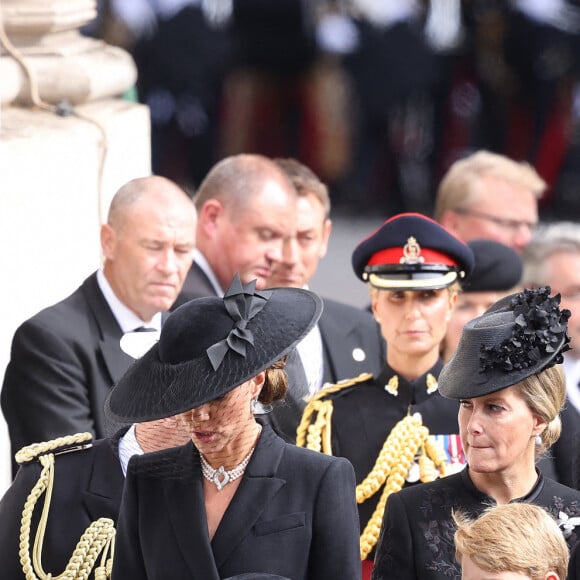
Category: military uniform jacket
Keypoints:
(416, 540)
(88, 485)
(351, 344)
(365, 414)
(294, 515)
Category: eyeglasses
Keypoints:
(506, 224)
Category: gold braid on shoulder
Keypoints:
(316, 435)
(407, 438)
(98, 538)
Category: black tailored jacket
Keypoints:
(294, 514)
(365, 414)
(63, 362)
(88, 485)
(416, 540)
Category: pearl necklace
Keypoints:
(220, 477)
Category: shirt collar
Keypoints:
(125, 317)
(202, 262)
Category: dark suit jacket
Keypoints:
(197, 284)
(294, 514)
(88, 485)
(63, 362)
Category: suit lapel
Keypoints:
(188, 518)
(333, 332)
(116, 361)
(257, 489)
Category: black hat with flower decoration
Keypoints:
(208, 346)
(519, 336)
(412, 252)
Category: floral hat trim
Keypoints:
(540, 331)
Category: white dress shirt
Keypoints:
(128, 446)
(126, 318)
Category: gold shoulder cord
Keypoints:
(98, 538)
(407, 438)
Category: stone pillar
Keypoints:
(58, 173)
(65, 65)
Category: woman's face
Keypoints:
(413, 322)
(498, 432)
(470, 305)
(218, 427)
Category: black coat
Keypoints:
(63, 362)
(88, 485)
(294, 514)
(416, 540)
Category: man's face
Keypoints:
(149, 254)
(249, 242)
(303, 250)
(563, 276)
(503, 211)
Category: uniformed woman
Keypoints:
(413, 267)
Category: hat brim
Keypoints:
(153, 389)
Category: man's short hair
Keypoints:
(305, 181)
(456, 188)
(236, 178)
(513, 537)
(548, 239)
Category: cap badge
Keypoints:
(411, 252)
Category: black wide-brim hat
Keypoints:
(519, 336)
(208, 346)
(412, 252)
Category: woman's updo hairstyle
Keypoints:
(545, 395)
(276, 383)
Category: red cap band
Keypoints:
(394, 256)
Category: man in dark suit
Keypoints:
(65, 358)
(88, 484)
(246, 207)
(347, 341)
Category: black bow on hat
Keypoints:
(520, 335)
(210, 345)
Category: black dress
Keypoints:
(364, 414)
(416, 540)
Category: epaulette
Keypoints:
(97, 541)
(66, 444)
(331, 388)
(314, 431)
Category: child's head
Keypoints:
(514, 541)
